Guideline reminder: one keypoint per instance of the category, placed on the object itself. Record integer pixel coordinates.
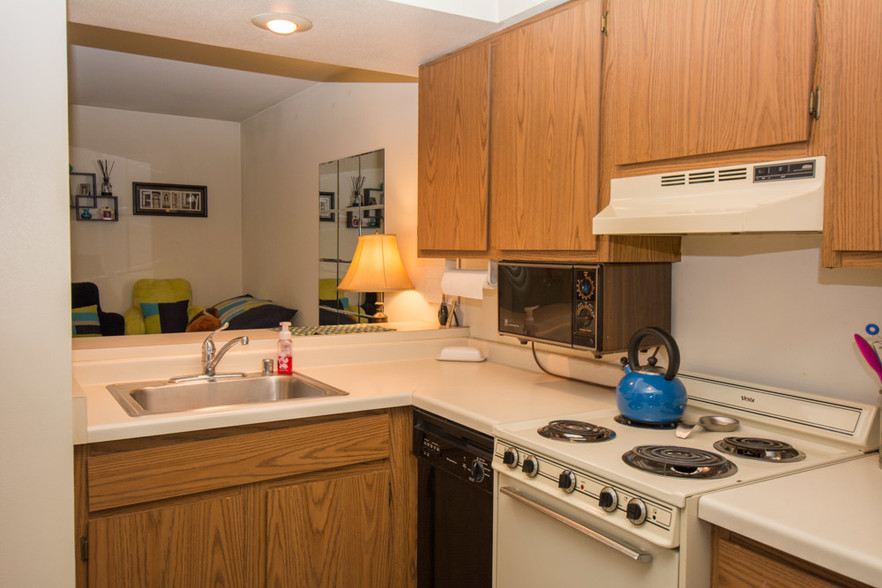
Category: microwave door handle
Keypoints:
(630, 552)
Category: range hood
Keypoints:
(775, 196)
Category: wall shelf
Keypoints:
(97, 208)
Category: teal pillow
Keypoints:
(233, 307)
(85, 321)
(165, 317)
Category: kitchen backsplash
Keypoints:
(760, 308)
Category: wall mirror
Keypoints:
(351, 203)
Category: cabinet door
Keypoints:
(329, 532)
(196, 543)
(695, 77)
(545, 118)
(454, 113)
(850, 132)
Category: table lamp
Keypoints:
(376, 267)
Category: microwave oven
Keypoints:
(594, 307)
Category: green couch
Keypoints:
(158, 291)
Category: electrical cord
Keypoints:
(550, 373)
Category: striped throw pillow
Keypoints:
(85, 321)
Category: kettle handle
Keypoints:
(669, 343)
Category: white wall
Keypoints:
(763, 306)
(159, 148)
(36, 466)
(282, 148)
(761, 309)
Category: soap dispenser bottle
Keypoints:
(286, 350)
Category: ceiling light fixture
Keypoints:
(282, 24)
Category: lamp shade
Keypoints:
(376, 266)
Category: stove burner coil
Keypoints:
(679, 462)
(576, 431)
(760, 449)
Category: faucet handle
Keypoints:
(218, 330)
(208, 345)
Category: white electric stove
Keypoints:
(569, 508)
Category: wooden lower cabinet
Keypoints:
(198, 543)
(329, 532)
(739, 562)
(326, 501)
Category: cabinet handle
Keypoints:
(634, 554)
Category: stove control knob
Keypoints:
(531, 466)
(510, 457)
(636, 512)
(567, 481)
(477, 470)
(609, 500)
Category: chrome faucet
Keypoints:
(211, 357)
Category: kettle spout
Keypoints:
(627, 369)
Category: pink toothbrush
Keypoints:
(869, 354)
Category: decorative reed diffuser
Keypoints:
(106, 188)
(357, 184)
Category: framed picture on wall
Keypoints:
(169, 199)
(326, 207)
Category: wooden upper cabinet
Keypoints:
(696, 77)
(850, 132)
(545, 124)
(454, 116)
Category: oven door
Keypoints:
(541, 541)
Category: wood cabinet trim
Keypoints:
(136, 476)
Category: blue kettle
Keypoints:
(650, 394)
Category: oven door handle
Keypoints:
(632, 553)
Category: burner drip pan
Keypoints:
(679, 462)
(576, 432)
(760, 449)
(623, 420)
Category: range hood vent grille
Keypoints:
(778, 196)
(728, 175)
(703, 177)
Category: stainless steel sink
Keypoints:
(157, 397)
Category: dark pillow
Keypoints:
(332, 303)
(247, 312)
(328, 317)
(165, 317)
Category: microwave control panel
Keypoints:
(585, 306)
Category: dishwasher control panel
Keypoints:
(453, 448)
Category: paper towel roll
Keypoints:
(465, 283)
(468, 283)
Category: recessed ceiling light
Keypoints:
(282, 24)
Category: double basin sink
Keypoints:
(158, 397)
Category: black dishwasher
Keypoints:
(455, 539)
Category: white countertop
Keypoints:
(830, 516)
(377, 370)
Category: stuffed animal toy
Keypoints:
(207, 320)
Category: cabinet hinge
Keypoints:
(84, 548)
(815, 103)
(604, 23)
